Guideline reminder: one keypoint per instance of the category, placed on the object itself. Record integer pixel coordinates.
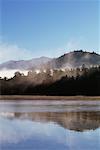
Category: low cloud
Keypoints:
(70, 45)
(11, 73)
(73, 44)
(13, 52)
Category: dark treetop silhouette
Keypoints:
(79, 81)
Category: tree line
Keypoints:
(79, 81)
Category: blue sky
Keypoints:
(34, 28)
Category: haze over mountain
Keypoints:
(76, 59)
(25, 64)
(69, 60)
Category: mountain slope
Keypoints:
(75, 59)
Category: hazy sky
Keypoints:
(34, 28)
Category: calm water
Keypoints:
(49, 125)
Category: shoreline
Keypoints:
(39, 97)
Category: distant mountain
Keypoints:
(70, 60)
(35, 63)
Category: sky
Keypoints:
(35, 28)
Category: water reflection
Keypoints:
(64, 130)
(78, 121)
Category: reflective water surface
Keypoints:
(49, 125)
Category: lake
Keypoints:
(49, 125)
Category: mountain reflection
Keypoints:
(77, 121)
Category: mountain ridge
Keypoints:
(72, 59)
